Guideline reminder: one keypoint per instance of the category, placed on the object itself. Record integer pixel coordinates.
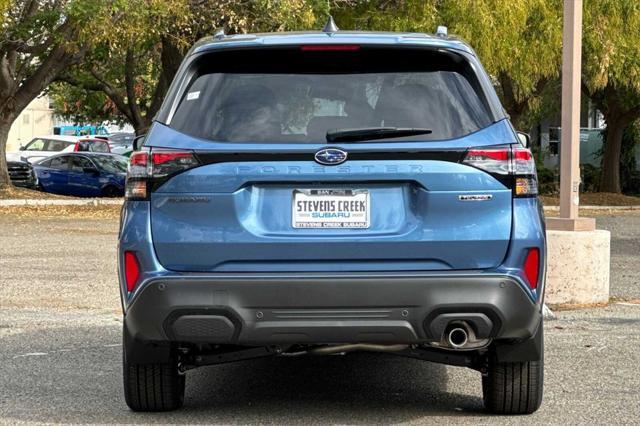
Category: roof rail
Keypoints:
(219, 35)
(442, 31)
(330, 26)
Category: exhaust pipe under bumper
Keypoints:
(341, 349)
(459, 335)
(460, 331)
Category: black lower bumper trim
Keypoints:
(275, 309)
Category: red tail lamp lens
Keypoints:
(490, 160)
(522, 154)
(139, 159)
(165, 157)
(532, 267)
(492, 154)
(131, 269)
(168, 162)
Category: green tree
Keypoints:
(520, 44)
(133, 69)
(82, 107)
(519, 41)
(129, 68)
(611, 74)
(38, 40)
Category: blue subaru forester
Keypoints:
(329, 192)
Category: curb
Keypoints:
(557, 208)
(49, 202)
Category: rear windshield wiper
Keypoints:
(369, 133)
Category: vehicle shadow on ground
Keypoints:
(77, 379)
(356, 388)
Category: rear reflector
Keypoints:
(131, 270)
(532, 267)
(330, 48)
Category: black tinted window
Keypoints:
(54, 145)
(121, 138)
(59, 163)
(99, 147)
(278, 105)
(93, 146)
(78, 164)
(112, 164)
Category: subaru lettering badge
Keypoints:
(331, 156)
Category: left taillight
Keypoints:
(131, 270)
(513, 164)
(147, 168)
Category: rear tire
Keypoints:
(513, 387)
(153, 387)
(111, 192)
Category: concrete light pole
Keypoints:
(570, 140)
(577, 262)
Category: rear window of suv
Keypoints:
(293, 95)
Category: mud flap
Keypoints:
(527, 350)
(137, 352)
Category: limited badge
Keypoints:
(475, 197)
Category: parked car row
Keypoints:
(45, 146)
(87, 174)
(121, 143)
(88, 166)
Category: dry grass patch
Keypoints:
(79, 212)
(596, 199)
(574, 306)
(13, 193)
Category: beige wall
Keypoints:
(35, 120)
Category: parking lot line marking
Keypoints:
(32, 354)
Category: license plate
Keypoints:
(330, 208)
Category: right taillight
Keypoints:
(524, 170)
(516, 163)
(147, 168)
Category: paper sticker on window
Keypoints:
(193, 95)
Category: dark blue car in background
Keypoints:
(83, 175)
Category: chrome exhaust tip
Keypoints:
(457, 337)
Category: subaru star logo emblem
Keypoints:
(331, 156)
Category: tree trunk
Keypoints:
(141, 130)
(4, 173)
(142, 127)
(610, 178)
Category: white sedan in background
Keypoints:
(43, 147)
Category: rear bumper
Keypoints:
(265, 309)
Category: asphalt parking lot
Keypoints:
(60, 351)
